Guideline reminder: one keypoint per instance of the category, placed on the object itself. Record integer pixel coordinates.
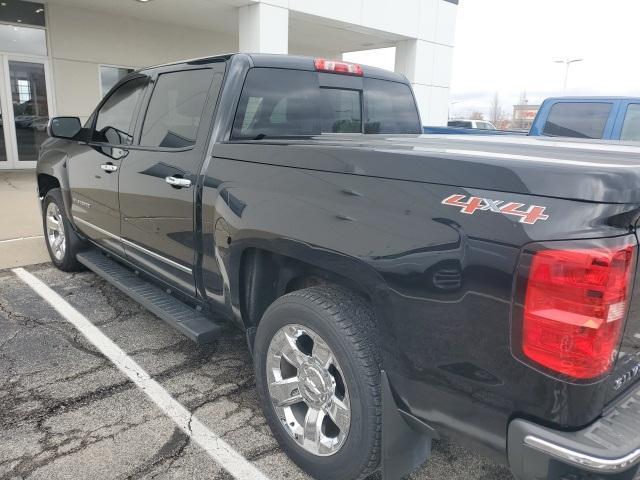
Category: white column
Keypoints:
(427, 60)
(263, 29)
(427, 65)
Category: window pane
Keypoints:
(21, 11)
(579, 120)
(344, 113)
(23, 40)
(30, 107)
(114, 123)
(3, 150)
(175, 110)
(278, 102)
(109, 76)
(631, 127)
(390, 108)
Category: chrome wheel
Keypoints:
(308, 390)
(55, 232)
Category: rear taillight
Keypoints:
(323, 65)
(575, 306)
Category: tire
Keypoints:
(57, 228)
(345, 323)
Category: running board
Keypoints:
(186, 320)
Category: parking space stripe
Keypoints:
(219, 450)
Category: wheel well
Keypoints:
(46, 183)
(266, 276)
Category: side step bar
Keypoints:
(186, 320)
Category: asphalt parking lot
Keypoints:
(66, 412)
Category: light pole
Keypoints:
(567, 62)
(451, 104)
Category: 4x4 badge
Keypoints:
(528, 214)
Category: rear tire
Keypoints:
(63, 243)
(335, 348)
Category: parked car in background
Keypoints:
(479, 124)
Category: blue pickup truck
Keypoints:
(605, 118)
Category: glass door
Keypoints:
(25, 87)
(6, 160)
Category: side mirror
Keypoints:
(64, 127)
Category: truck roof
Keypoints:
(294, 62)
(590, 98)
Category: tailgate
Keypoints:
(627, 368)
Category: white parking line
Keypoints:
(8, 240)
(217, 448)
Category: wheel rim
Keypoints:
(308, 390)
(55, 232)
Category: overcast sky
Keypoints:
(510, 45)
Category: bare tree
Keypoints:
(476, 115)
(520, 122)
(523, 98)
(496, 114)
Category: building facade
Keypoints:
(523, 116)
(61, 56)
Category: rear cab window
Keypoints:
(284, 103)
(460, 124)
(577, 119)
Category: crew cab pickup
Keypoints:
(606, 118)
(603, 118)
(394, 287)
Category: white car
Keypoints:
(480, 124)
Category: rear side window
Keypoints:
(175, 109)
(578, 120)
(283, 103)
(631, 127)
(114, 124)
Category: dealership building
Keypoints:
(59, 57)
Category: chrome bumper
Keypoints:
(609, 447)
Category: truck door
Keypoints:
(158, 180)
(94, 166)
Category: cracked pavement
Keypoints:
(67, 413)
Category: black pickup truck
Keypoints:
(393, 287)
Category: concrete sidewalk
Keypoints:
(21, 237)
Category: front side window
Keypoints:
(631, 127)
(114, 124)
(578, 120)
(175, 109)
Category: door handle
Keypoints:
(109, 167)
(178, 182)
